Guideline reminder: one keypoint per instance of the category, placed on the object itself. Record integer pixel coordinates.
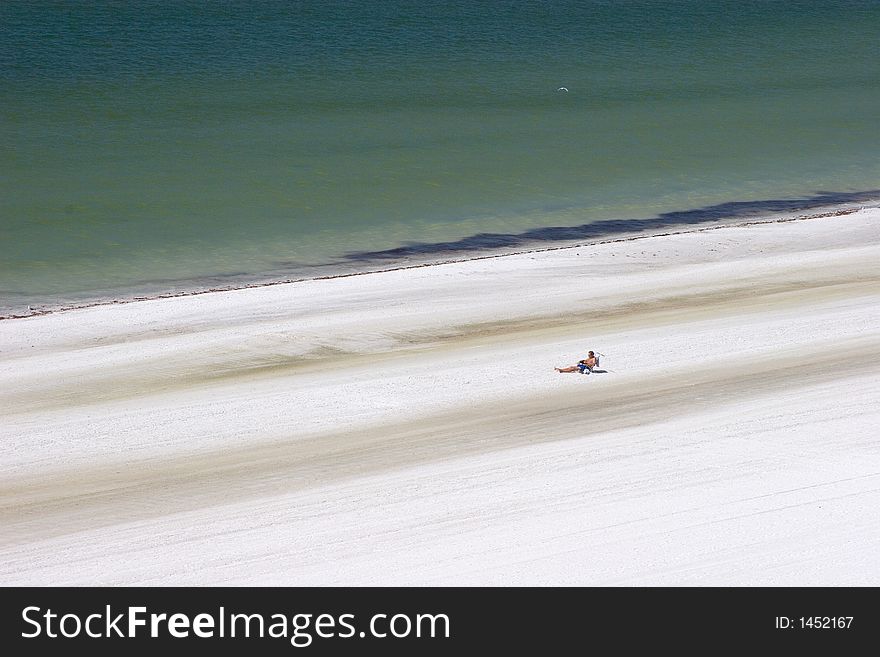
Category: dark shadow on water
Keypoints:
(19, 305)
(742, 210)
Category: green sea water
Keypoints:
(161, 146)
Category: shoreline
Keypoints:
(408, 428)
(674, 229)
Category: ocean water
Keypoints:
(151, 147)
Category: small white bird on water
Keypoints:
(562, 89)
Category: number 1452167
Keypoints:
(815, 622)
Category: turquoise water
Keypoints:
(157, 146)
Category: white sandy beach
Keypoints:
(408, 428)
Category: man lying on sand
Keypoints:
(587, 363)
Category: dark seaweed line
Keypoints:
(400, 253)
